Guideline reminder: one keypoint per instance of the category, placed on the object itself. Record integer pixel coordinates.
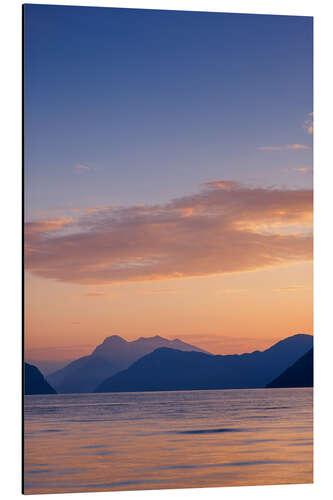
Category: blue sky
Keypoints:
(152, 104)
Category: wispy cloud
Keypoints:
(224, 232)
(83, 167)
(159, 291)
(101, 294)
(300, 170)
(308, 124)
(51, 211)
(304, 170)
(91, 210)
(229, 291)
(227, 185)
(291, 288)
(285, 147)
(71, 210)
(48, 225)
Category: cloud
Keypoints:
(48, 225)
(225, 231)
(308, 124)
(160, 291)
(101, 294)
(84, 167)
(291, 288)
(51, 211)
(43, 228)
(98, 208)
(301, 170)
(229, 291)
(284, 147)
(227, 185)
(81, 166)
(304, 170)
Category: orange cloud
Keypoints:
(291, 288)
(159, 291)
(224, 232)
(283, 148)
(48, 225)
(91, 210)
(227, 185)
(41, 229)
(304, 170)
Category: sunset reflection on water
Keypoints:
(184, 439)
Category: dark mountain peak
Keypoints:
(294, 340)
(109, 342)
(297, 337)
(300, 374)
(34, 382)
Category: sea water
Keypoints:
(176, 439)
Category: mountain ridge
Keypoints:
(114, 354)
(170, 369)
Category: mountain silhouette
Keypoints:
(113, 355)
(169, 369)
(34, 382)
(300, 374)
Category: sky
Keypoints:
(168, 178)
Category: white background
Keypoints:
(10, 248)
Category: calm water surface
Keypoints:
(130, 441)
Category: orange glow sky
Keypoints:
(224, 314)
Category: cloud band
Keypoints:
(225, 228)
